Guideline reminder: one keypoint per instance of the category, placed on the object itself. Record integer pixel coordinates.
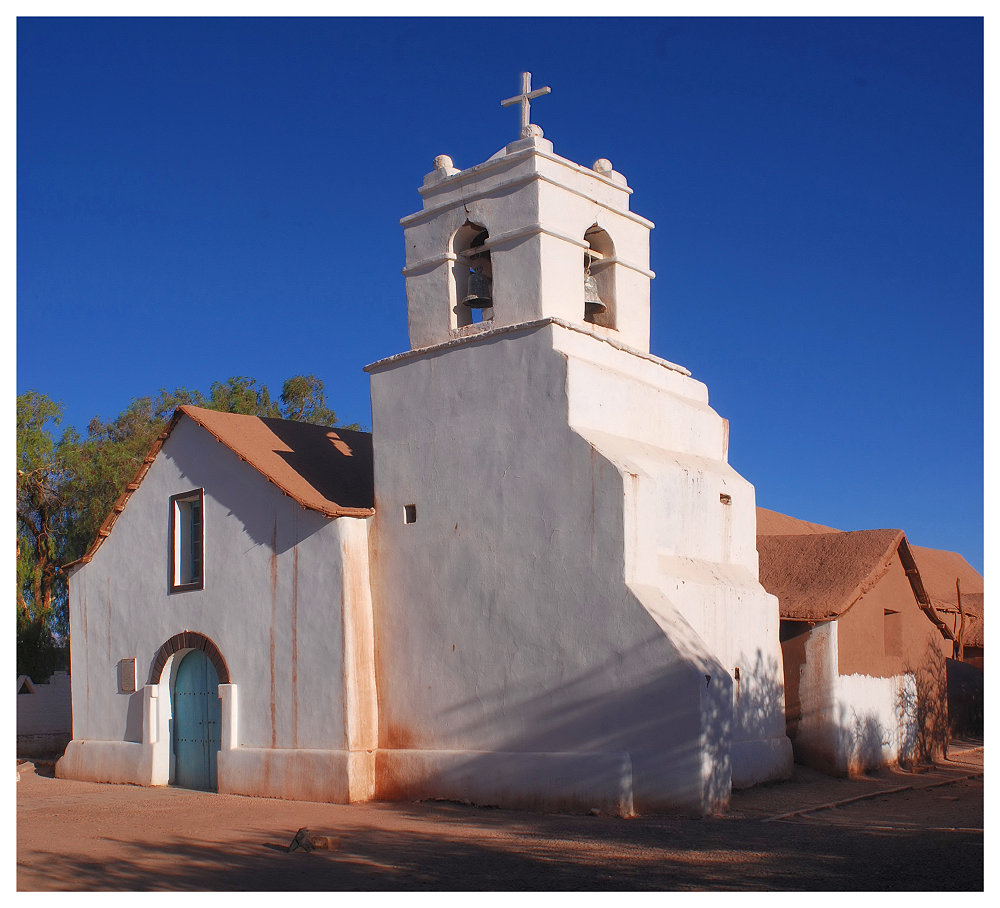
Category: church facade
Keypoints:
(546, 597)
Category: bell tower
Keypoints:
(524, 236)
(564, 564)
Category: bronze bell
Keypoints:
(592, 302)
(479, 294)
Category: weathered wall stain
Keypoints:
(86, 649)
(107, 605)
(357, 623)
(274, 618)
(295, 639)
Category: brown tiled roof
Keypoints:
(323, 469)
(773, 523)
(819, 576)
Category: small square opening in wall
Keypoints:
(409, 513)
(725, 498)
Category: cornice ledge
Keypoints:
(519, 328)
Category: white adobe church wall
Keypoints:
(690, 528)
(276, 604)
(571, 606)
(505, 624)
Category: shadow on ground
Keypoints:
(500, 850)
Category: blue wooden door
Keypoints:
(197, 722)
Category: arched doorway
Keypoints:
(197, 722)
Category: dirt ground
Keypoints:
(902, 831)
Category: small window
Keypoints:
(187, 533)
(893, 632)
(409, 513)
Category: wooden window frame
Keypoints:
(175, 501)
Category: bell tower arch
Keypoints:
(472, 272)
(518, 226)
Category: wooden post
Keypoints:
(960, 642)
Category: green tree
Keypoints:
(42, 478)
(303, 399)
(240, 394)
(102, 465)
(65, 490)
(38, 655)
(40, 481)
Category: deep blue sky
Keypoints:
(201, 198)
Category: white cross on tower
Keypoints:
(525, 99)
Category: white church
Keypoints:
(545, 598)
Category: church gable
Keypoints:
(212, 556)
(326, 470)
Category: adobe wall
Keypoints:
(537, 207)
(274, 603)
(868, 643)
(511, 618)
(873, 645)
(690, 531)
(863, 692)
(844, 724)
(44, 717)
(810, 673)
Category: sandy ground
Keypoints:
(928, 835)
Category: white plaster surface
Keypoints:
(302, 774)
(537, 206)
(279, 581)
(875, 727)
(106, 761)
(532, 781)
(850, 723)
(529, 608)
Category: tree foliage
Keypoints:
(41, 499)
(67, 485)
(242, 395)
(302, 399)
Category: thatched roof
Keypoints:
(819, 576)
(818, 572)
(773, 523)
